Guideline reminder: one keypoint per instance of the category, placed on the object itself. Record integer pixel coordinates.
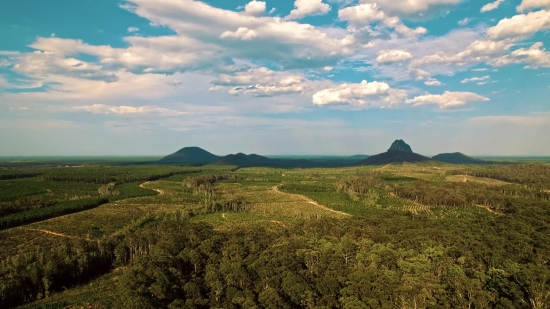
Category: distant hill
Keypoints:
(399, 152)
(243, 160)
(191, 156)
(358, 157)
(458, 158)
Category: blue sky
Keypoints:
(147, 77)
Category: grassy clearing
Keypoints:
(487, 181)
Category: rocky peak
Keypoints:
(400, 145)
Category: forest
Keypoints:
(394, 236)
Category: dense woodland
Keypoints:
(386, 259)
(533, 176)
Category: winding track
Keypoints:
(51, 233)
(161, 192)
(310, 201)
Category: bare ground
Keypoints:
(161, 192)
(310, 201)
(51, 233)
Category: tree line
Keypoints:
(384, 261)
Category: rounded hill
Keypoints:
(457, 158)
(190, 155)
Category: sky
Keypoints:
(303, 77)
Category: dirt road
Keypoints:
(161, 192)
(310, 201)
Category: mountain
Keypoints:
(393, 156)
(191, 156)
(400, 145)
(399, 152)
(458, 158)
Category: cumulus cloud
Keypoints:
(365, 14)
(410, 7)
(305, 8)
(391, 56)
(128, 110)
(476, 79)
(432, 82)
(418, 74)
(520, 26)
(498, 40)
(491, 6)
(261, 82)
(242, 33)
(373, 94)
(229, 36)
(255, 8)
(535, 56)
(41, 64)
(448, 99)
(478, 51)
(533, 4)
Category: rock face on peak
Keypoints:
(400, 145)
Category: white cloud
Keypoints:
(255, 8)
(410, 7)
(130, 30)
(478, 51)
(261, 82)
(535, 56)
(391, 56)
(198, 47)
(465, 21)
(365, 14)
(242, 33)
(476, 79)
(448, 99)
(491, 6)
(272, 10)
(480, 70)
(520, 26)
(305, 8)
(128, 110)
(43, 64)
(533, 4)
(432, 82)
(365, 94)
(4, 63)
(418, 74)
